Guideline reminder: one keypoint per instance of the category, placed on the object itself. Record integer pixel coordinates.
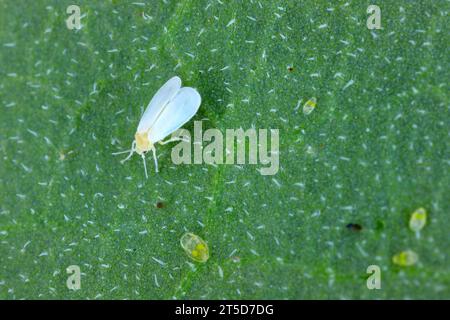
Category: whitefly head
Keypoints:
(142, 143)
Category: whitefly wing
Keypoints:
(159, 101)
(177, 112)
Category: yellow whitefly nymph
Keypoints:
(195, 247)
(309, 105)
(418, 219)
(405, 258)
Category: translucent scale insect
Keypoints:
(309, 106)
(418, 219)
(170, 108)
(195, 247)
(405, 258)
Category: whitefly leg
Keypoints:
(173, 140)
(121, 152)
(131, 151)
(145, 166)
(155, 158)
(127, 158)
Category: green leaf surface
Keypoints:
(375, 149)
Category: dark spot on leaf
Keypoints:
(290, 69)
(354, 227)
(159, 205)
(380, 225)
